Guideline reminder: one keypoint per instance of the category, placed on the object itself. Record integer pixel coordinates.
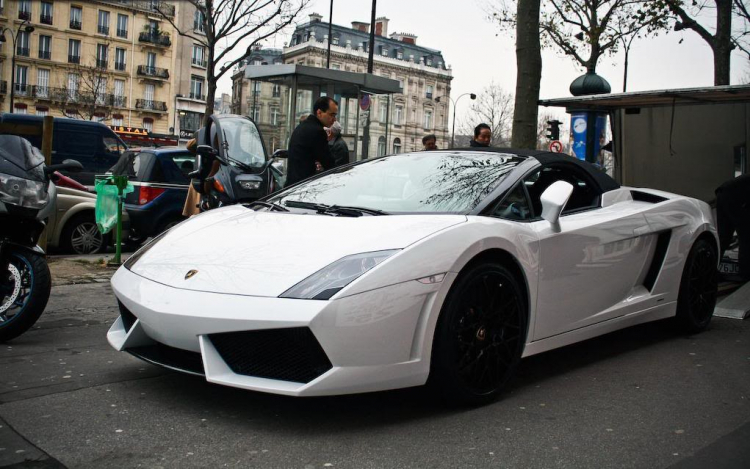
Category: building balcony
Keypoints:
(101, 29)
(198, 96)
(156, 39)
(101, 63)
(24, 15)
(123, 33)
(22, 51)
(148, 105)
(40, 92)
(21, 89)
(45, 54)
(120, 66)
(119, 101)
(74, 59)
(75, 25)
(153, 72)
(200, 63)
(45, 19)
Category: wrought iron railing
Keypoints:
(156, 39)
(74, 59)
(101, 29)
(101, 63)
(198, 96)
(24, 15)
(149, 6)
(155, 72)
(199, 62)
(120, 66)
(24, 51)
(75, 24)
(123, 33)
(151, 105)
(45, 19)
(45, 54)
(21, 89)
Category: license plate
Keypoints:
(729, 268)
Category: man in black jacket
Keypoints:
(733, 214)
(309, 142)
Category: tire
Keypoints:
(81, 235)
(480, 335)
(698, 288)
(24, 297)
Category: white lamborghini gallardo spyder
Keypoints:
(442, 267)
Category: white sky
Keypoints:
(480, 55)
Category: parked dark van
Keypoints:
(91, 143)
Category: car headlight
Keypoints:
(326, 282)
(137, 255)
(23, 192)
(250, 185)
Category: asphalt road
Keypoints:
(640, 398)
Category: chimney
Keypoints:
(315, 18)
(381, 26)
(360, 26)
(404, 37)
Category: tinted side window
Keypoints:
(585, 194)
(176, 168)
(515, 205)
(82, 145)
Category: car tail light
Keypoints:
(147, 193)
(219, 186)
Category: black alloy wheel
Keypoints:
(480, 335)
(698, 288)
(82, 236)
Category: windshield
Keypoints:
(242, 141)
(18, 158)
(436, 181)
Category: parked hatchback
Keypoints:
(160, 177)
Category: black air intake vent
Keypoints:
(170, 357)
(660, 253)
(128, 318)
(291, 354)
(646, 197)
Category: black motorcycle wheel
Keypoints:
(24, 292)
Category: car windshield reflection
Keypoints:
(423, 182)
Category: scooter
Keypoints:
(27, 199)
(244, 172)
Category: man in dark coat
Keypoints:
(733, 214)
(309, 142)
(482, 136)
(339, 149)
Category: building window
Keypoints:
(400, 54)
(45, 46)
(74, 51)
(75, 17)
(197, 84)
(20, 108)
(101, 55)
(428, 92)
(199, 56)
(72, 86)
(42, 111)
(119, 94)
(24, 10)
(117, 120)
(45, 16)
(256, 113)
(427, 119)
(42, 83)
(396, 145)
(122, 26)
(151, 62)
(119, 59)
(335, 41)
(100, 90)
(256, 88)
(22, 47)
(148, 95)
(381, 146)
(98, 116)
(21, 88)
(274, 116)
(103, 24)
(276, 91)
(199, 21)
(399, 117)
(189, 123)
(383, 111)
(148, 124)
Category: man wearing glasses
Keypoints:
(309, 142)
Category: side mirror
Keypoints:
(280, 154)
(197, 172)
(67, 165)
(553, 200)
(205, 150)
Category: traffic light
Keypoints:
(553, 131)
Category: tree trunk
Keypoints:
(211, 68)
(528, 75)
(722, 44)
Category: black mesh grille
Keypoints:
(284, 354)
(128, 318)
(165, 355)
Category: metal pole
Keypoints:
(372, 40)
(330, 36)
(356, 125)
(12, 71)
(453, 132)
(387, 119)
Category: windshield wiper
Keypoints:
(239, 163)
(271, 205)
(337, 209)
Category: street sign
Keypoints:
(364, 102)
(555, 146)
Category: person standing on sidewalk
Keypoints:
(309, 142)
(339, 149)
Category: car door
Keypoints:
(594, 262)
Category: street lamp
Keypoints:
(437, 100)
(28, 29)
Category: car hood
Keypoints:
(238, 251)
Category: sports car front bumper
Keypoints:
(376, 340)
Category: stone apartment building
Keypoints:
(413, 113)
(117, 61)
